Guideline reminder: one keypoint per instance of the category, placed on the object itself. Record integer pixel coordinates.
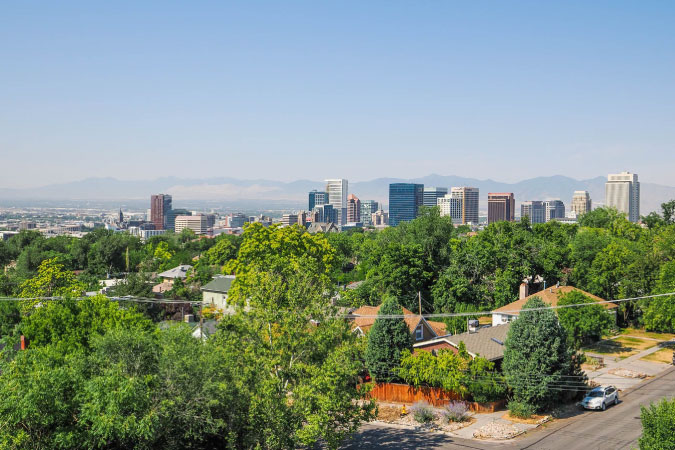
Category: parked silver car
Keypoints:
(600, 398)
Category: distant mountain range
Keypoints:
(293, 194)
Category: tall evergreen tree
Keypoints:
(537, 358)
(386, 340)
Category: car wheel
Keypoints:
(616, 400)
(604, 406)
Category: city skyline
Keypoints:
(401, 89)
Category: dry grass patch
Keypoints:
(665, 355)
(388, 413)
(621, 347)
(648, 334)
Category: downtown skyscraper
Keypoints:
(405, 200)
(337, 197)
(622, 191)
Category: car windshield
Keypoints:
(595, 394)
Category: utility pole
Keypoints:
(419, 297)
(201, 322)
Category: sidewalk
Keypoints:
(633, 363)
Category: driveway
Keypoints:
(617, 428)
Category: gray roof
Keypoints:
(220, 283)
(481, 343)
(177, 272)
(322, 227)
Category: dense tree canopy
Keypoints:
(537, 357)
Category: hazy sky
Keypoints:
(355, 89)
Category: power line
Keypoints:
(118, 299)
(517, 311)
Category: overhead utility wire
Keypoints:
(515, 311)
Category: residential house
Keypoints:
(214, 293)
(487, 342)
(169, 276)
(550, 296)
(420, 328)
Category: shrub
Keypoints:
(521, 409)
(456, 412)
(422, 412)
(658, 422)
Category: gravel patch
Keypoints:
(627, 373)
(496, 430)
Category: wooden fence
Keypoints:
(404, 393)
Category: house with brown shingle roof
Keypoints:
(551, 295)
(420, 328)
(487, 342)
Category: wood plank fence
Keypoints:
(404, 393)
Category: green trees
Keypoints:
(52, 280)
(583, 323)
(537, 359)
(387, 340)
(658, 423)
(456, 372)
(659, 313)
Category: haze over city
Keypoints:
(386, 225)
(308, 90)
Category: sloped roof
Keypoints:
(550, 296)
(220, 283)
(177, 272)
(364, 323)
(481, 343)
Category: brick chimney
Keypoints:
(24, 342)
(524, 290)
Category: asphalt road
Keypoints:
(616, 428)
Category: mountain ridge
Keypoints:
(226, 189)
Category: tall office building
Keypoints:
(353, 209)
(462, 205)
(533, 210)
(581, 202)
(170, 224)
(160, 205)
(554, 209)
(337, 196)
(451, 205)
(622, 191)
(501, 207)
(197, 223)
(324, 213)
(368, 207)
(405, 200)
(432, 194)
(317, 198)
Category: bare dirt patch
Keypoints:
(533, 420)
(392, 414)
(627, 373)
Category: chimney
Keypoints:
(24, 342)
(473, 326)
(557, 285)
(524, 290)
(189, 318)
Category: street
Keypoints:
(617, 428)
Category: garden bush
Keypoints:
(456, 412)
(521, 409)
(422, 412)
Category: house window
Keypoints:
(419, 333)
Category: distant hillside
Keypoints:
(234, 191)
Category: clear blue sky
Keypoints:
(356, 89)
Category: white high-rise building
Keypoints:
(622, 191)
(461, 204)
(337, 196)
(581, 203)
